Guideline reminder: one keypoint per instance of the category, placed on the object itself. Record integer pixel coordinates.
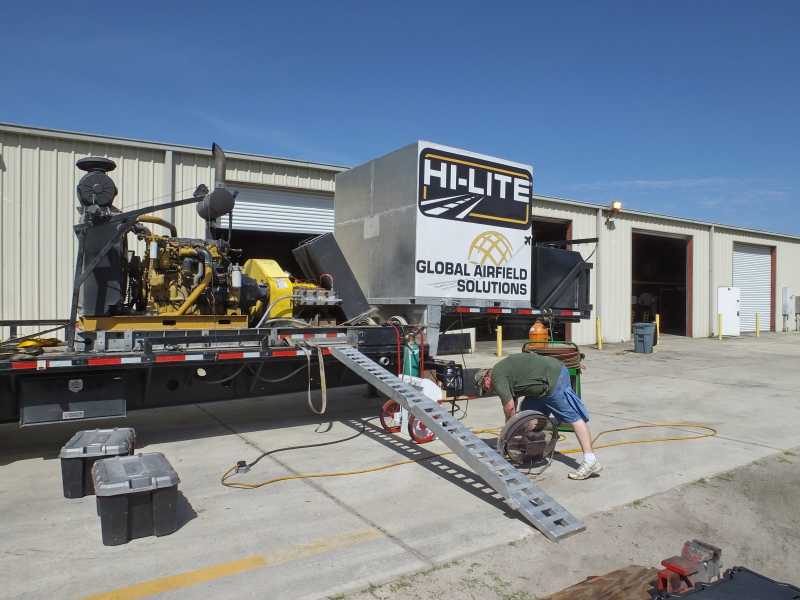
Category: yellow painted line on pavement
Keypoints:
(277, 557)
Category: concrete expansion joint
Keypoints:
(429, 562)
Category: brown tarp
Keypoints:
(630, 583)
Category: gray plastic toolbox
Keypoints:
(83, 449)
(137, 496)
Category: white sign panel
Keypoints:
(473, 226)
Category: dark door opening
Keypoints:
(276, 245)
(661, 268)
(551, 231)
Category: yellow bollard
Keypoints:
(719, 325)
(658, 327)
(598, 327)
(499, 340)
(758, 325)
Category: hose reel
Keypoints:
(528, 439)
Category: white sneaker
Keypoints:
(586, 470)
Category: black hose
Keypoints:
(284, 378)
(224, 379)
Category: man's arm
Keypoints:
(502, 387)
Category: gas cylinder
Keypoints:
(539, 333)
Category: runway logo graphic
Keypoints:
(464, 188)
(490, 247)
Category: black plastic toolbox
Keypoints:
(137, 496)
(83, 449)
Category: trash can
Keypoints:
(83, 449)
(137, 496)
(643, 336)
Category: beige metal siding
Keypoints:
(191, 170)
(38, 209)
(301, 178)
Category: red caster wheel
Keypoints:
(390, 416)
(419, 432)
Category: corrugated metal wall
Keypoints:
(38, 209)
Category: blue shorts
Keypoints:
(564, 403)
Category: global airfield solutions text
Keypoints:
(485, 279)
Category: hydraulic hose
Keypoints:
(195, 294)
(159, 221)
(197, 291)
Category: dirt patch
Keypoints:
(749, 512)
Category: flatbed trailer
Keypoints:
(184, 367)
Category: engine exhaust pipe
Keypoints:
(219, 165)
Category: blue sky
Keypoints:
(684, 108)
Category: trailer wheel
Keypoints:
(387, 416)
(419, 431)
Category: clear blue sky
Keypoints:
(685, 108)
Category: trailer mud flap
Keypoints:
(71, 397)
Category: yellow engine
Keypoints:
(185, 283)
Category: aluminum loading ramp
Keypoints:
(523, 496)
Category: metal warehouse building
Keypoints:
(644, 263)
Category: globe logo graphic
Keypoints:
(490, 247)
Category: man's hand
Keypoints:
(510, 409)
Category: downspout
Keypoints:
(169, 182)
(712, 312)
(598, 288)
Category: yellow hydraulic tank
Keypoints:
(270, 273)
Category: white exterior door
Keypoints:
(752, 274)
(728, 304)
(269, 209)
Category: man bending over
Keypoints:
(544, 382)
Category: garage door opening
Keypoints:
(551, 231)
(661, 282)
(277, 245)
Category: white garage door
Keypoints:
(266, 209)
(752, 274)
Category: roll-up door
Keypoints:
(752, 274)
(268, 209)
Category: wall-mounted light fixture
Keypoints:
(615, 208)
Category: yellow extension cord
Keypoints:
(708, 432)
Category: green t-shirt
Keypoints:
(525, 374)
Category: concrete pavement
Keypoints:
(320, 537)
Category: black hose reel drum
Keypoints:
(528, 439)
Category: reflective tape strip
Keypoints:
(194, 357)
(102, 362)
(59, 363)
(41, 365)
(23, 364)
(169, 358)
(287, 353)
(131, 360)
(237, 355)
(311, 336)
